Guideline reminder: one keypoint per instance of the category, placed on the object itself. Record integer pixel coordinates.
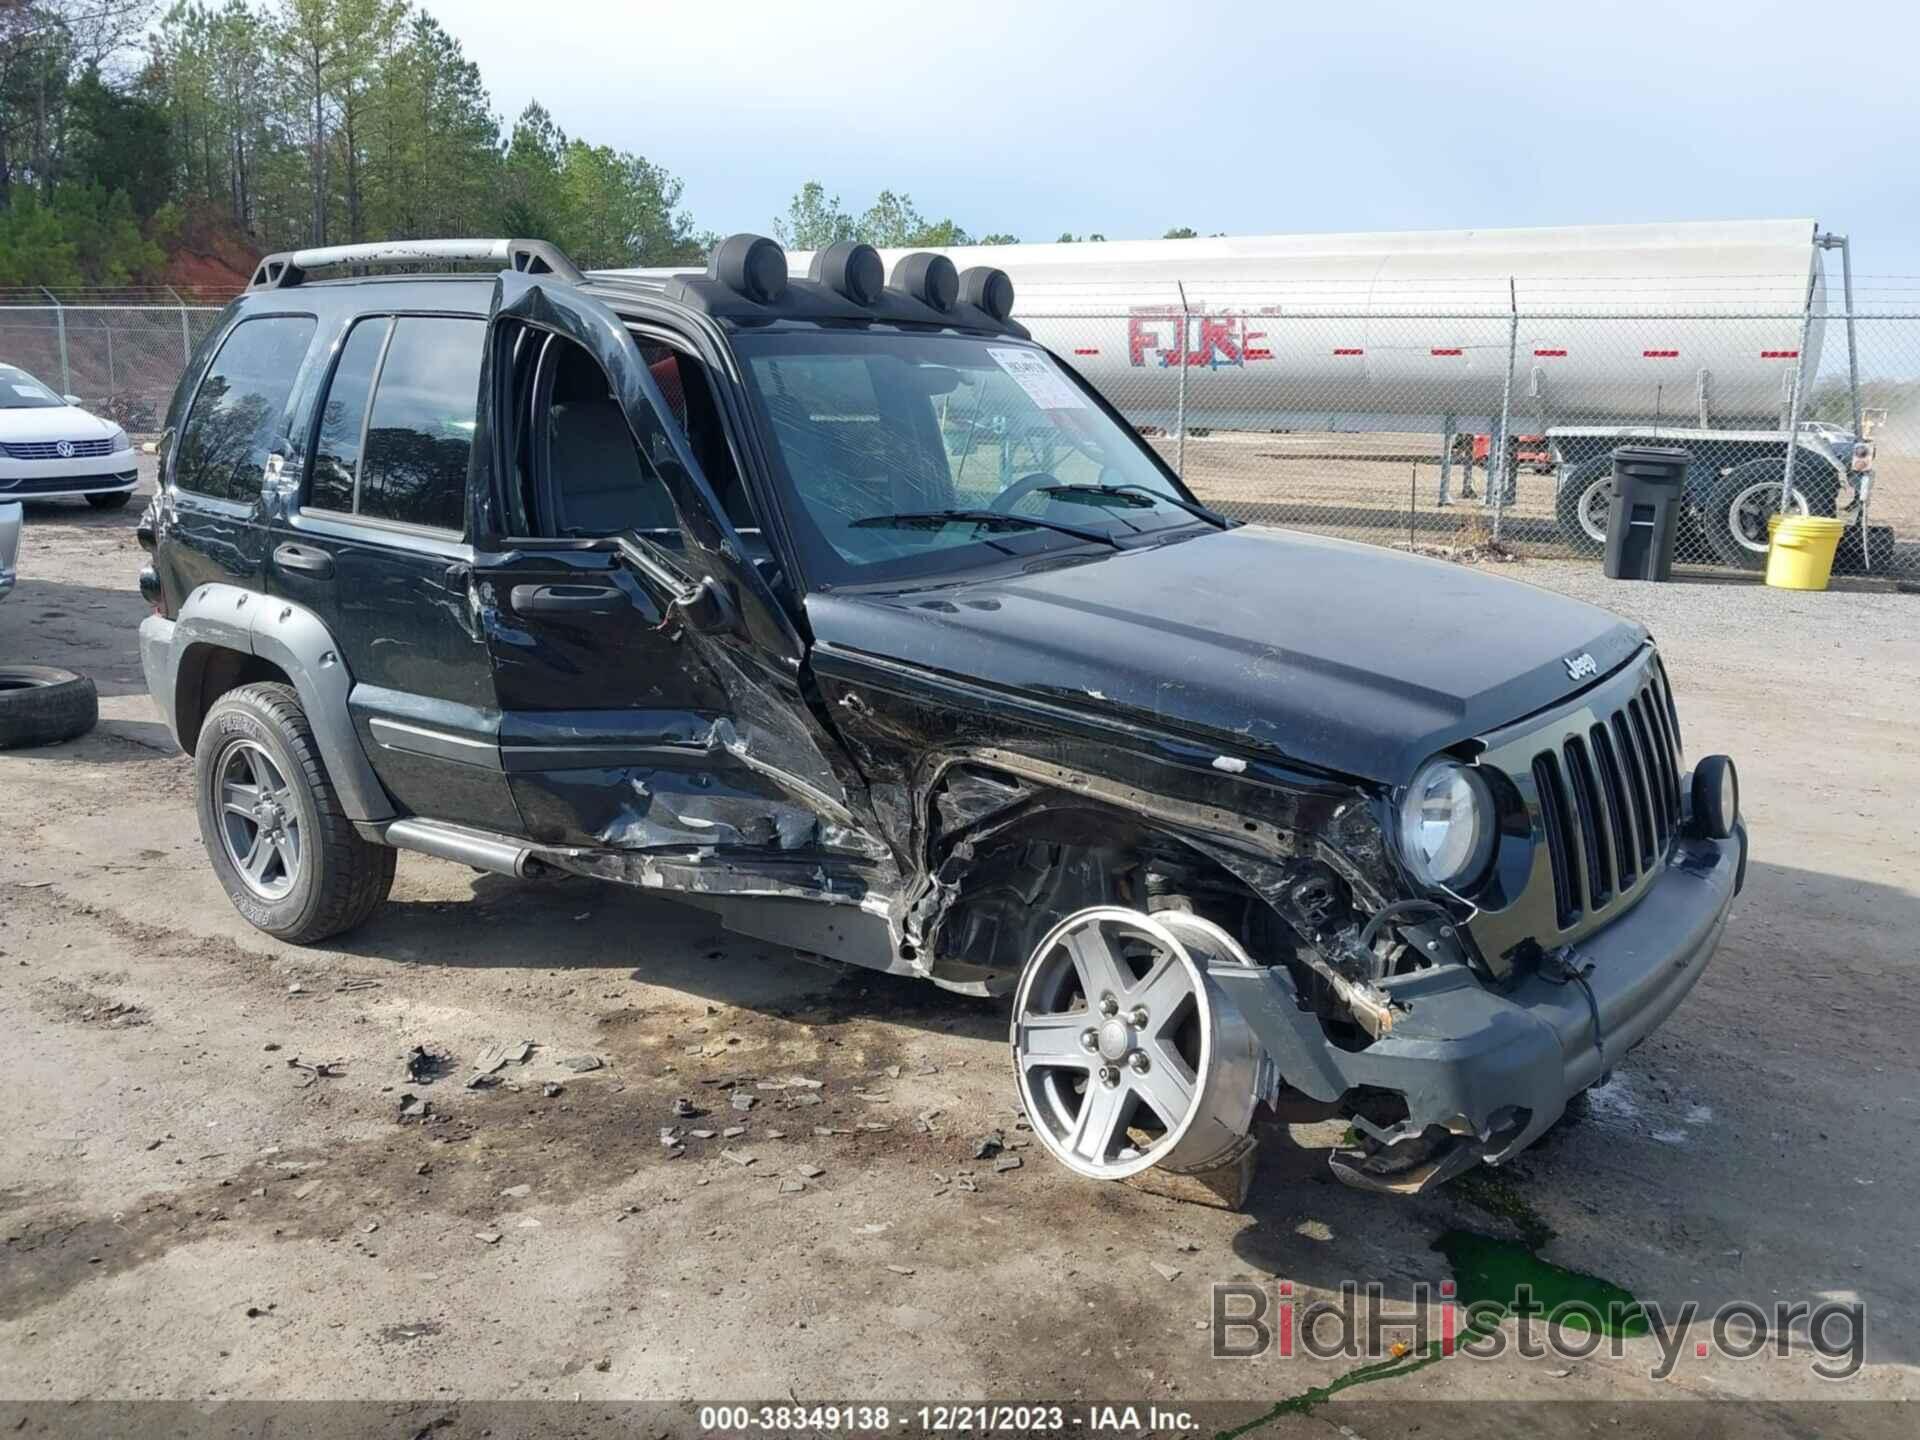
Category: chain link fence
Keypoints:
(122, 361)
(1478, 429)
(1491, 430)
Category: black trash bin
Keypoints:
(1648, 481)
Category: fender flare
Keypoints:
(227, 617)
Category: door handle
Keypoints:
(304, 560)
(567, 599)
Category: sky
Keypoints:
(1127, 118)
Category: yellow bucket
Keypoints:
(1800, 550)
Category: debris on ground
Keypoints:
(990, 1145)
(487, 1237)
(685, 1109)
(552, 1089)
(901, 1269)
(412, 1107)
(1006, 1163)
(1166, 1272)
(703, 1134)
(792, 1187)
(323, 1070)
(516, 1191)
(809, 1172)
(733, 1132)
(581, 1064)
(744, 1102)
(740, 1157)
(424, 1066)
(348, 987)
(807, 1097)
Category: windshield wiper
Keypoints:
(991, 519)
(1212, 517)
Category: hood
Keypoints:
(53, 422)
(1345, 657)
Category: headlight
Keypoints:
(118, 441)
(1447, 824)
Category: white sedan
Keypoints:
(50, 447)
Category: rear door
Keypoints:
(375, 544)
(231, 438)
(647, 677)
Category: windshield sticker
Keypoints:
(1044, 385)
(31, 392)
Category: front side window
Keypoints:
(891, 445)
(235, 420)
(420, 434)
(396, 430)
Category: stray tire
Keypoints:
(1581, 504)
(287, 855)
(1739, 502)
(116, 501)
(40, 705)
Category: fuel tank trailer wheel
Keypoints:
(1126, 1055)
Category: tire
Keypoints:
(116, 501)
(40, 705)
(1738, 503)
(1588, 484)
(260, 786)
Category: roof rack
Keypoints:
(531, 257)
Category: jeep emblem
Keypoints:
(1580, 666)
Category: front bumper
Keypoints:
(1496, 1068)
(60, 479)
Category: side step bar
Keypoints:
(481, 849)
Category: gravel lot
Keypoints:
(188, 1215)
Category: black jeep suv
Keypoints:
(837, 607)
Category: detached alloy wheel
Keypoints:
(284, 851)
(1125, 1055)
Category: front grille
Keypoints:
(1610, 800)
(50, 449)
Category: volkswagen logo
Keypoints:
(65, 449)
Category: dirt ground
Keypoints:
(210, 1190)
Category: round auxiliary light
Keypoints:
(751, 265)
(988, 289)
(928, 278)
(851, 270)
(1447, 824)
(1716, 797)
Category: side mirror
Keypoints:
(707, 609)
(71, 399)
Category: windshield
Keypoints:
(20, 391)
(907, 456)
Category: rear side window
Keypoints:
(235, 419)
(397, 427)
